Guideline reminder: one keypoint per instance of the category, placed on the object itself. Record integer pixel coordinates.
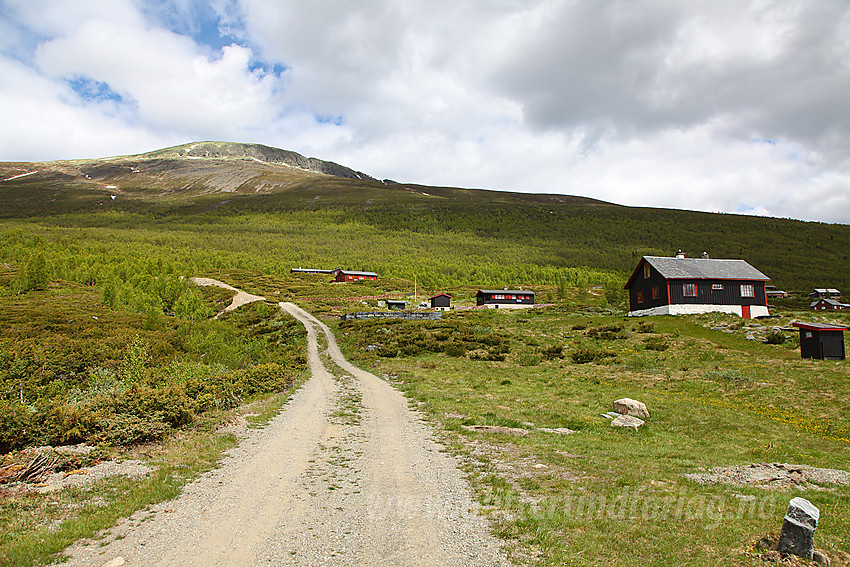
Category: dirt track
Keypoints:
(345, 475)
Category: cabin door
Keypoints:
(745, 311)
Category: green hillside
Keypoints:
(247, 213)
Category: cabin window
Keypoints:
(640, 296)
(717, 286)
(646, 271)
(747, 290)
(498, 296)
(689, 290)
(656, 293)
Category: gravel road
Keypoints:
(346, 475)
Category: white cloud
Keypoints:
(169, 82)
(729, 106)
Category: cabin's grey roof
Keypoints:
(704, 269)
(511, 291)
(833, 302)
(353, 273)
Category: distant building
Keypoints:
(772, 291)
(504, 298)
(825, 292)
(441, 302)
(351, 276)
(662, 285)
(396, 304)
(828, 305)
(311, 271)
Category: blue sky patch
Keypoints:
(92, 90)
(335, 120)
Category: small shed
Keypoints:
(828, 305)
(441, 302)
(396, 304)
(820, 340)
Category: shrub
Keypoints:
(125, 430)
(608, 332)
(261, 379)
(656, 343)
(16, 422)
(583, 355)
(554, 351)
(644, 327)
(36, 276)
(775, 337)
(455, 348)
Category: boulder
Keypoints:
(798, 529)
(628, 406)
(627, 421)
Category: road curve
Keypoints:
(345, 475)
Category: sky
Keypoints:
(736, 106)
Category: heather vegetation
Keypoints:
(72, 369)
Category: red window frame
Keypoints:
(639, 296)
(646, 271)
(689, 290)
(656, 292)
(717, 287)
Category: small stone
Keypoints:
(764, 543)
(557, 430)
(798, 529)
(496, 429)
(820, 557)
(627, 421)
(628, 406)
(117, 562)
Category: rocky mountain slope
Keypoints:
(186, 170)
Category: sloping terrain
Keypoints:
(214, 183)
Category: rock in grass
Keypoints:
(627, 421)
(496, 429)
(628, 406)
(556, 430)
(798, 529)
(821, 558)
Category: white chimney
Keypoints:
(680, 254)
(705, 255)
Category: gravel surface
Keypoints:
(346, 474)
(241, 297)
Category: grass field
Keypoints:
(608, 496)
